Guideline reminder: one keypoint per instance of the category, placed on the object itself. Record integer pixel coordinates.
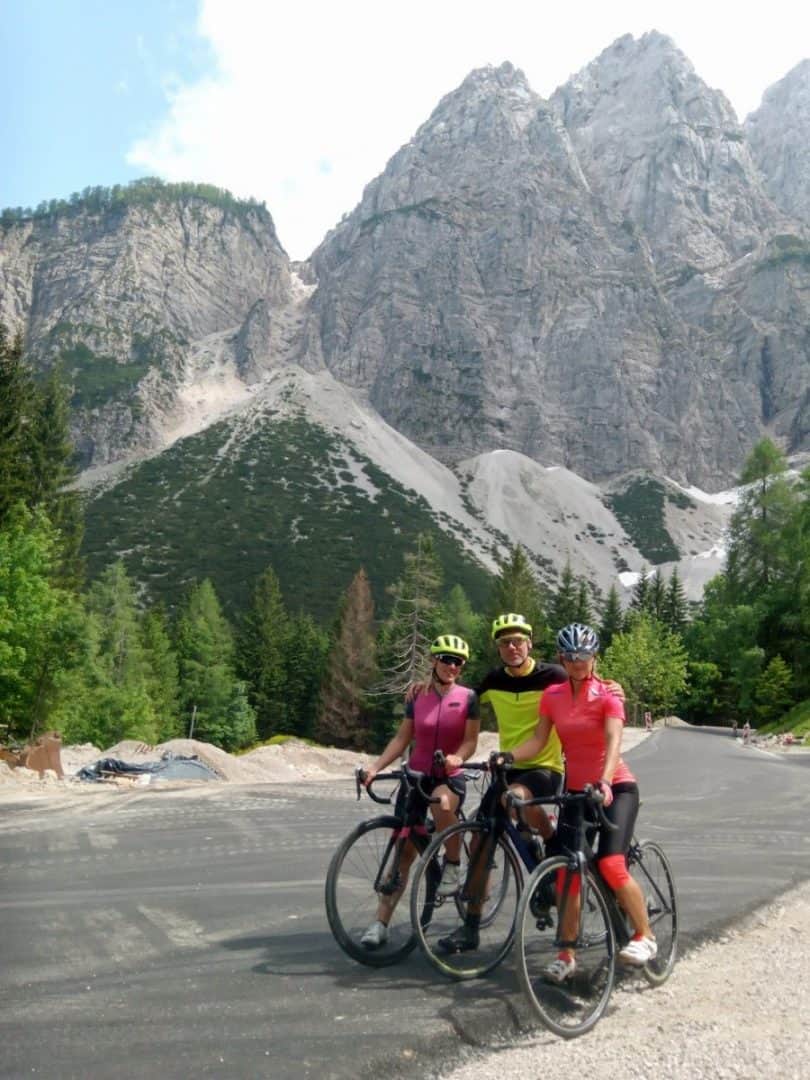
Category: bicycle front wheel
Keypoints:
(563, 910)
(650, 867)
(490, 881)
(366, 863)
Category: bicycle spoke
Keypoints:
(578, 921)
(490, 880)
(650, 868)
(367, 856)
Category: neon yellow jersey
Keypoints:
(515, 700)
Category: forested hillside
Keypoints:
(96, 662)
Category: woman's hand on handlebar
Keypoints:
(368, 777)
(606, 790)
(453, 761)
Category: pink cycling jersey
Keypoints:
(439, 723)
(580, 724)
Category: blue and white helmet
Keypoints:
(578, 638)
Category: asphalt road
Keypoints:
(171, 934)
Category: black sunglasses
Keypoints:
(453, 661)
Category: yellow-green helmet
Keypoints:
(517, 623)
(451, 644)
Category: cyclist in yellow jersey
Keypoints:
(513, 693)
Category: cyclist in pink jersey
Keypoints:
(443, 716)
(588, 719)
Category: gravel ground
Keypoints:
(736, 1008)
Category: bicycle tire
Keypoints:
(652, 871)
(572, 1007)
(351, 902)
(435, 918)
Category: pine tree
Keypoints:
(350, 670)
(118, 705)
(517, 590)
(640, 600)
(213, 699)
(51, 459)
(612, 618)
(16, 395)
(757, 555)
(41, 624)
(772, 696)
(656, 596)
(583, 613)
(306, 652)
(406, 635)
(563, 607)
(456, 616)
(163, 676)
(262, 655)
(676, 608)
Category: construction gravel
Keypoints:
(735, 1009)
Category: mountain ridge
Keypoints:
(613, 282)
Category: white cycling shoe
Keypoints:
(451, 879)
(639, 951)
(375, 936)
(561, 969)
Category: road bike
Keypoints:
(368, 865)
(495, 854)
(596, 929)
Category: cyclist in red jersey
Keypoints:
(443, 716)
(588, 718)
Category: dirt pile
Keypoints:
(281, 763)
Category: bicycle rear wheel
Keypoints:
(490, 878)
(365, 860)
(650, 867)
(573, 1006)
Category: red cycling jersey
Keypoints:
(439, 724)
(580, 724)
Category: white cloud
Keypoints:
(308, 101)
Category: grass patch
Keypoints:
(797, 721)
(640, 510)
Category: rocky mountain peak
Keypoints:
(779, 135)
(667, 152)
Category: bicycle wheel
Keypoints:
(362, 864)
(490, 879)
(650, 867)
(573, 1006)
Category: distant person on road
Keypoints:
(587, 718)
(442, 716)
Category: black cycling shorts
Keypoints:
(539, 782)
(623, 812)
(457, 784)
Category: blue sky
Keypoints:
(81, 82)
(301, 104)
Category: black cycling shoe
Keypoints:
(465, 939)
